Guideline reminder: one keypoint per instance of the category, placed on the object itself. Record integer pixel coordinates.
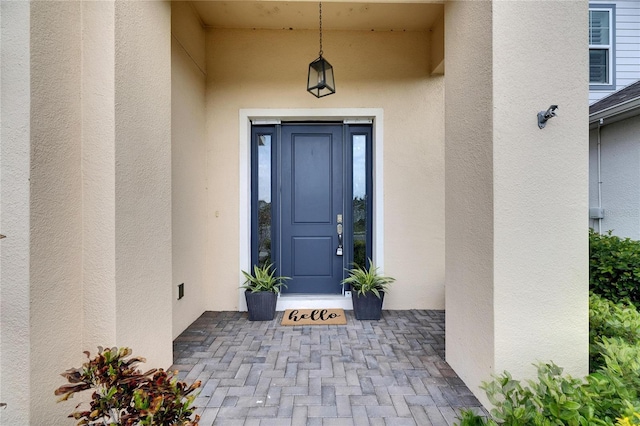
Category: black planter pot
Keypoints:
(367, 306)
(261, 305)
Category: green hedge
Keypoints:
(609, 395)
(614, 267)
(608, 320)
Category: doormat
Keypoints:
(314, 317)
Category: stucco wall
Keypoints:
(516, 262)
(14, 212)
(620, 175)
(143, 179)
(469, 189)
(86, 106)
(56, 201)
(540, 184)
(98, 175)
(188, 165)
(389, 70)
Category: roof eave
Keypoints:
(615, 113)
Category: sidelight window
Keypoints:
(262, 204)
(361, 188)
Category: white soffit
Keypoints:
(615, 113)
(299, 15)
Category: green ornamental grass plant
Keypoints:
(364, 280)
(263, 279)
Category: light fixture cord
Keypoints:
(320, 29)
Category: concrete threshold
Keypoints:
(313, 301)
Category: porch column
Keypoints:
(15, 104)
(126, 177)
(143, 179)
(85, 185)
(516, 195)
(55, 324)
(98, 175)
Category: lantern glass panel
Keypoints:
(320, 81)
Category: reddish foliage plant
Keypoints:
(124, 396)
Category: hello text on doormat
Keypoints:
(314, 317)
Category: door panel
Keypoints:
(317, 248)
(312, 169)
(311, 200)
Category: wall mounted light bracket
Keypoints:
(544, 116)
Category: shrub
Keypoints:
(632, 419)
(469, 418)
(614, 267)
(610, 395)
(553, 399)
(613, 321)
(556, 399)
(124, 396)
(615, 387)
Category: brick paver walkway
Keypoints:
(387, 372)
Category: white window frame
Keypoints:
(610, 48)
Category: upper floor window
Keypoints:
(601, 46)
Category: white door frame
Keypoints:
(246, 117)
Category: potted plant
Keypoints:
(367, 291)
(261, 292)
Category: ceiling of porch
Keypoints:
(297, 15)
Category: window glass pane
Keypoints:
(598, 66)
(359, 200)
(264, 199)
(599, 27)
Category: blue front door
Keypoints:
(311, 208)
(309, 182)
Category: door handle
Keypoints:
(339, 230)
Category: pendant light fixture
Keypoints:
(320, 81)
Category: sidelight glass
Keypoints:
(359, 206)
(264, 199)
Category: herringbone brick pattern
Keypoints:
(383, 372)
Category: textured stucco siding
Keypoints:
(86, 193)
(55, 201)
(15, 133)
(469, 192)
(516, 263)
(188, 165)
